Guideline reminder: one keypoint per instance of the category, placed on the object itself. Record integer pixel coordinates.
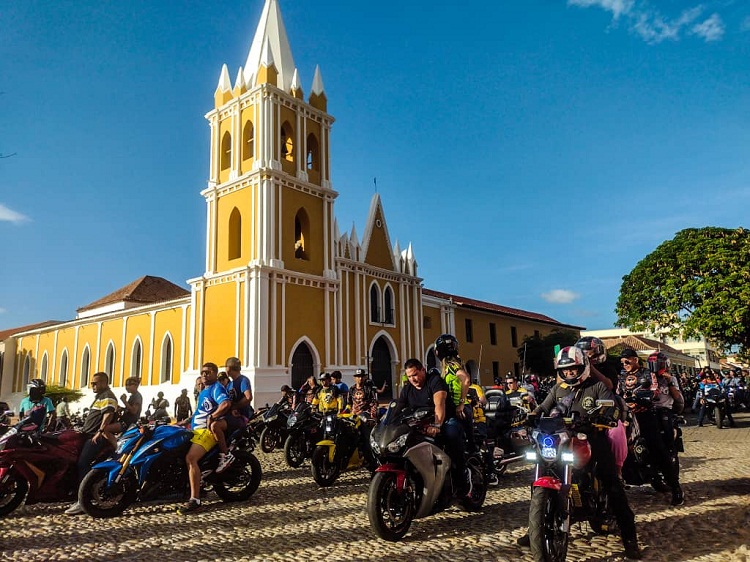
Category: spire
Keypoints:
(239, 83)
(317, 85)
(270, 42)
(318, 97)
(296, 88)
(223, 91)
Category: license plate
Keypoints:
(549, 452)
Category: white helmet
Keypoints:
(572, 357)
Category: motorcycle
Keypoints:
(566, 486)
(716, 404)
(149, 464)
(342, 448)
(304, 429)
(413, 480)
(274, 431)
(507, 435)
(40, 467)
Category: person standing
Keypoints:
(342, 386)
(101, 413)
(213, 402)
(130, 411)
(182, 407)
(63, 412)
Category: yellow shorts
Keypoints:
(204, 438)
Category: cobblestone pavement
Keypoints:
(290, 518)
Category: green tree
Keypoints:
(56, 393)
(540, 350)
(696, 284)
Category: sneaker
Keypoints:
(190, 506)
(631, 550)
(75, 509)
(524, 541)
(678, 498)
(225, 459)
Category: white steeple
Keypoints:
(271, 33)
(317, 85)
(224, 83)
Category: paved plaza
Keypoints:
(290, 518)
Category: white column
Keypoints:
(152, 315)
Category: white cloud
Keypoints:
(653, 27)
(560, 296)
(9, 215)
(711, 29)
(2, 310)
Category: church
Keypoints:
(283, 288)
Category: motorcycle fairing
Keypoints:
(400, 474)
(433, 465)
(549, 482)
(112, 467)
(331, 448)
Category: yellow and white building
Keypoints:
(283, 288)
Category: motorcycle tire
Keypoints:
(12, 493)
(294, 450)
(475, 501)
(269, 438)
(103, 501)
(548, 542)
(240, 481)
(604, 522)
(324, 472)
(390, 512)
(719, 418)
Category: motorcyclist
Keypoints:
(578, 391)
(710, 382)
(328, 399)
(432, 391)
(362, 397)
(650, 422)
(518, 395)
(38, 406)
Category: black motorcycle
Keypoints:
(414, 477)
(274, 431)
(304, 427)
(716, 405)
(507, 436)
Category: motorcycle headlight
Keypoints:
(547, 445)
(121, 442)
(568, 457)
(271, 418)
(374, 445)
(398, 444)
(291, 420)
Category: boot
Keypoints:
(678, 498)
(632, 551)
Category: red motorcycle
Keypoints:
(40, 467)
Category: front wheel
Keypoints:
(12, 492)
(475, 500)
(269, 438)
(240, 480)
(102, 500)
(294, 450)
(548, 536)
(324, 472)
(719, 417)
(390, 511)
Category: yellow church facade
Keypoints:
(282, 288)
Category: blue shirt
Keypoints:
(37, 410)
(236, 389)
(208, 400)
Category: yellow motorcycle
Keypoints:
(345, 446)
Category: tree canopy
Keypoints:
(696, 284)
(540, 350)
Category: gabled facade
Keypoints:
(282, 288)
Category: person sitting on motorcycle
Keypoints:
(432, 391)
(328, 400)
(710, 382)
(37, 406)
(518, 395)
(287, 393)
(579, 392)
(650, 424)
(457, 379)
(130, 411)
(241, 394)
(478, 401)
(307, 391)
(362, 397)
(213, 402)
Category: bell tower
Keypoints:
(269, 211)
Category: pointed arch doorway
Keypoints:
(381, 369)
(302, 365)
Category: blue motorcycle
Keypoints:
(149, 464)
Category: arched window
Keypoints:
(235, 234)
(136, 359)
(226, 151)
(388, 306)
(43, 369)
(166, 359)
(313, 153)
(109, 361)
(301, 235)
(374, 303)
(63, 367)
(287, 142)
(26, 371)
(85, 368)
(248, 141)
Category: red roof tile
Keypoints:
(146, 290)
(5, 334)
(496, 308)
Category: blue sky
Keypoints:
(532, 151)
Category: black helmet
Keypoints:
(446, 346)
(737, 372)
(594, 348)
(36, 388)
(433, 371)
(658, 363)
